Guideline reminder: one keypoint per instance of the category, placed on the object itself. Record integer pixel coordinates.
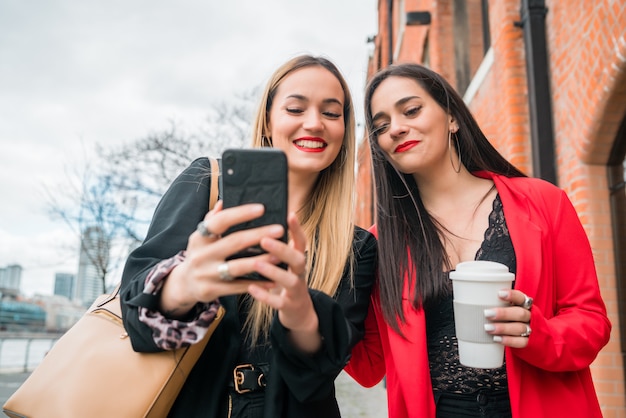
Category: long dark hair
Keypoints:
(409, 239)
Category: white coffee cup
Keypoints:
(475, 285)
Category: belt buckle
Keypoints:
(239, 378)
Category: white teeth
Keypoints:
(309, 144)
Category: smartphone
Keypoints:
(257, 175)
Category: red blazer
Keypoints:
(551, 376)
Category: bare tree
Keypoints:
(109, 203)
(89, 205)
(142, 170)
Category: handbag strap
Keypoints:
(215, 174)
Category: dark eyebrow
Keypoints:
(406, 99)
(377, 116)
(304, 99)
(333, 100)
(397, 104)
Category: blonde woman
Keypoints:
(287, 338)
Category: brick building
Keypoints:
(546, 81)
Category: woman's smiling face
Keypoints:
(410, 126)
(306, 119)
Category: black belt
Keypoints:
(481, 397)
(249, 377)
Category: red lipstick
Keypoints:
(405, 146)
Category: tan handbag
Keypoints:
(92, 371)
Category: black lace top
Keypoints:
(447, 374)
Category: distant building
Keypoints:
(10, 280)
(64, 285)
(15, 314)
(19, 316)
(94, 254)
(61, 313)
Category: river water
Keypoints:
(22, 354)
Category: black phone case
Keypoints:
(257, 175)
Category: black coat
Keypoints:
(299, 385)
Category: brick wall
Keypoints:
(586, 42)
(365, 202)
(587, 47)
(500, 104)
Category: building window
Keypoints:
(426, 53)
(616, 170)
(485, 26)
(471, 39)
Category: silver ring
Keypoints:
(528, 302)
(527, 333)
(203, 229)
(224, 272)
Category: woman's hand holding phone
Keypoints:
(290, 296)
(257, 175)
(197, 278)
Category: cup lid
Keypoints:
(481, 270)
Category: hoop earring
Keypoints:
(458, 148)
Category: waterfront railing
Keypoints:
(21, 352)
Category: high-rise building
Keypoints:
(94, 256)
(64, 285)
(10, 279)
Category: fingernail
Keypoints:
(489, 313)
(276, 229)
(257, 208)
(260, 267)
(490, 327)
(503, 293)
(497, 339)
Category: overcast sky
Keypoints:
(78, 72)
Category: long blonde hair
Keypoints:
(328, 215)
